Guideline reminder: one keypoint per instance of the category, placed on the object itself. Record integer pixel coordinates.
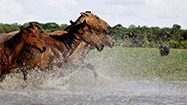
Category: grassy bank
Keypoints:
(141, 63)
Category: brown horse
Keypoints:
(96, 23)
(80, 53)
(30, 57)
(60, 47)
(10, 49)
(100, 27)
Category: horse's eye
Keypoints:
(97, 17)
(33, 36)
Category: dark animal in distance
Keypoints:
(164, 50)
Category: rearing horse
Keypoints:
(10, 49)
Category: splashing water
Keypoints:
(117, 83)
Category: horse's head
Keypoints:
(106, 39)
(94, 21)
(32, 39)
(38, 30)
(99, 26)
(89, 36)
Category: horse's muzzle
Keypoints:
(107, 29)
(111, 44)
(100, 48)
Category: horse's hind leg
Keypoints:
(24, 74)
(24, 71)
(92, 67)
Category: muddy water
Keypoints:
(82, 88)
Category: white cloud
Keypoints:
(61, 3)
(10, 10)
(168, 12)
(10, 6)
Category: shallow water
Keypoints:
(83, 88)
(111, 87)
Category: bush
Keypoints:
(183, 44)
(173, 44)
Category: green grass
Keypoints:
(142, 63)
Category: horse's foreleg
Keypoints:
(17, 70)
(24, 71)
(91, 67)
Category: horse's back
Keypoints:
(59, 33)
(6, 36)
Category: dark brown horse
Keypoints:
(100, 27)
(10, 49)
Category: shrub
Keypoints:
(173, 44)
(183, 44)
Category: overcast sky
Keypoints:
(162, 13)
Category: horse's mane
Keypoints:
(70, 26)
(11, 43)
(69, 38)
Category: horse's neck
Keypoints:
(86, 50)
(80, 53)
(14, 45)
(80, 20)
(74, 45)
(77, 54)
(69, 48)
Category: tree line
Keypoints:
(144, 36)
(48, 27)
(132, 36)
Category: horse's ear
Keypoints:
(22, 29)
(32, 26)
(72, 22)
(83, 14)
(84, 23)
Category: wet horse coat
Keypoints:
(100, 27)
(10, 49)
(60, 47)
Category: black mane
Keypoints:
(69, 38)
